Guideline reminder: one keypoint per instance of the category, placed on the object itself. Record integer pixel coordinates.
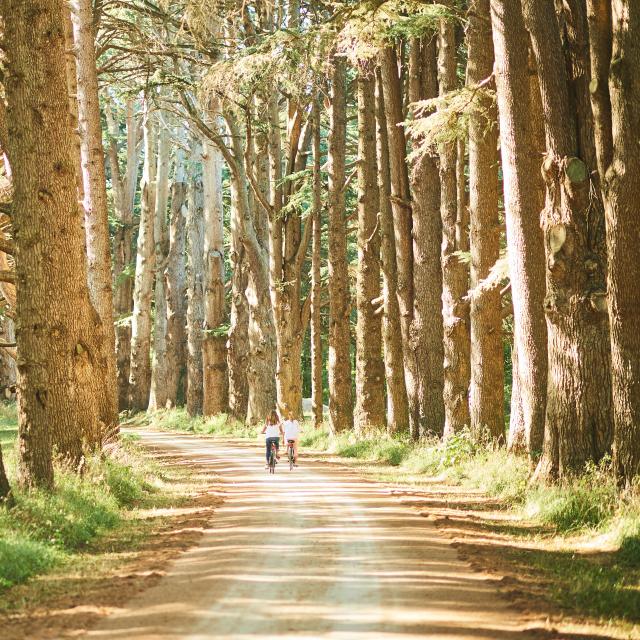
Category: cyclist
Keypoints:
(291, 429)
(272, 430)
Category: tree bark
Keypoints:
(370, 409)
(397, 403)
(579, 411)
(617, 122)
(140, 368)
(238, 344)
(158, 394)
(60, 339)
(340, 401)
(401, 207)
(316, 284)
(427, 337)
(124, 188)
(261, 371)
(95, 198)
(287, 249)
(455, 281)
(5, 487)
(176, 286)
(522, 188)
(214, 344)
(195, 290)
(486, 398)
(72, 93)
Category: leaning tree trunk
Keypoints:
(370, 409)
(95, 197)
(455, 282)
(214, 343)
(340, 402)
(486, 400)
(140, 371)
(316, 284)
(176, 284)
(195, 293)
(60, 338)
(158, 394)
(397, 403)
(524, 239)
(402, 225)
(617, 124)
(427, 336)
(579, 411)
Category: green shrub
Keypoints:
(21, 558)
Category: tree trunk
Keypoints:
(261, 370)
(158, 395)
(60, 339)
(524, 239)
(455, 281)
(401, 207)
(124, 189)
(486, 398)
(176, 286)
(316, 284)
(95, 198)
(617, 124)
(397, 404)
(579, 411)
(370, 409)
(340, 401)
(238, 344)
(427, 337)
(287, 250)
(140, 371)
(72, 93)
(214, 344)
(195, 290)
(5, 487)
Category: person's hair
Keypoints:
(272, 418)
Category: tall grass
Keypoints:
(180, 420)
(45, 528)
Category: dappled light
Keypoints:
(309, 553)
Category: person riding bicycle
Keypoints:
(272, 430)
(291, 429)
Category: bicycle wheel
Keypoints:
(272, 462)
(290, 451)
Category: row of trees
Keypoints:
(413, 185)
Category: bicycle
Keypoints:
(290, 454)
(273, 458)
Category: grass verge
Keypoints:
(46, 530)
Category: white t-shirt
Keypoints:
(291, 430)
(273, 431)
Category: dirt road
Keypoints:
(312, 553)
